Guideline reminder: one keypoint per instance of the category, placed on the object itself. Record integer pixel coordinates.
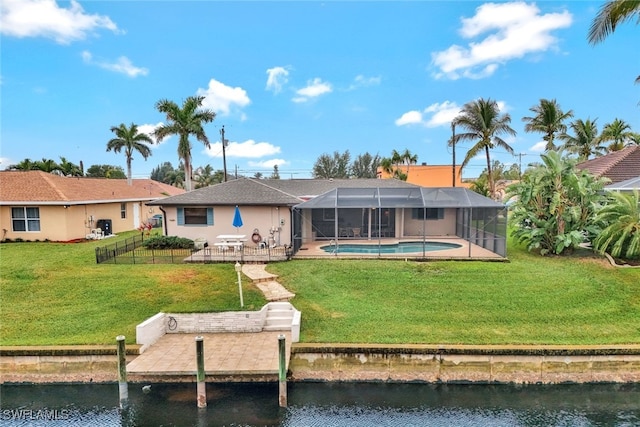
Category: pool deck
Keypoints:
(465, 251)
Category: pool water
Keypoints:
(393, 248)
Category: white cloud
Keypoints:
(148, 129)
(314, 88)
(246, 149)
(438, 114)
(409, 118)
(362, 81)
(513, 31)
(539, 147)
(222, 98)
(123, 65)
(277, 78)
(44, 18)
(268, 164)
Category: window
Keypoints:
(328, 214)
(123, 210)
(432, 213)
(25, 219)
(195, 216)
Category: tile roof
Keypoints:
(274, 192)
(617, 166)
(45, 188)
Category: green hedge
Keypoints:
(168, 242)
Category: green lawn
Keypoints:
(55, 294)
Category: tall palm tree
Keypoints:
(548, 119)
(184, 122)
(619, 133)
(408, 159)
(585, 142)
(68, 168)
(47, 165)
(129, 139)
(483, 123)
(611, 14)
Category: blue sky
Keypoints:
(291, 81)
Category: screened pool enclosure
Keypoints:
(385, 215)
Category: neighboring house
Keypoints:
(617, 166)
(293, 212)
(628, 185)
(36, 205)
(429, 175)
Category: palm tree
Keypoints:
(408, 159)
(184, 122)
(548, 119)
(585, 142)
(611, 14)
(129, 139)
(484, 124)
(619, 133)
(47, 165)
(68, 168)
(206, 176)
(24, 165)
(621, 219)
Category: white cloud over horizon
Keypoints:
(437, 114)
(314, 88)
(512, 30)
(44, 18)
(277, 78)
(149, 128)
(123, 65)
(539, 147)
(223, 99)
(268, 164)
(247, 149)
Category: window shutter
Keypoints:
(180, 216)
(209, 216)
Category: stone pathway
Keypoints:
(272, 290)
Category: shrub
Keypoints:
(168, 242)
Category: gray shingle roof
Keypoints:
(627, 185)
(271, 192)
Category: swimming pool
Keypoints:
(392, 248)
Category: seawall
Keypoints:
(359, 362)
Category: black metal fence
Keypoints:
(132, 251)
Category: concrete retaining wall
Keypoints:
(428, 364)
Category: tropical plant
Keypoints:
(585, 142)
(258, 175)
(68, 168)
(554, 205)
(275, 174)
(129, 140)
(620, 221)
(548, 119)
(483, 124)
(334, 166)
(206, 176)
(619, 133)
(408, 159)
(160, 172)
(47, 165)
(184, 122)
(611, 14)
(106, 171)
(365, 166)
(24, 165)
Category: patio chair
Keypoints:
(356, 232)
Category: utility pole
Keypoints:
(224, 156)
(453, 144)
(520, 164)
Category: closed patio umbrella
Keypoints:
(237, 218)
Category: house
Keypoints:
(429, 175)
(617, 166)
(628, 185)
(297, 212)
(36, 205)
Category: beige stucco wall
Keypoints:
(440, 227)
(253, 217)
(60, 223)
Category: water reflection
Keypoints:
(324, 404)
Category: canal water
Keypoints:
(323, 404)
